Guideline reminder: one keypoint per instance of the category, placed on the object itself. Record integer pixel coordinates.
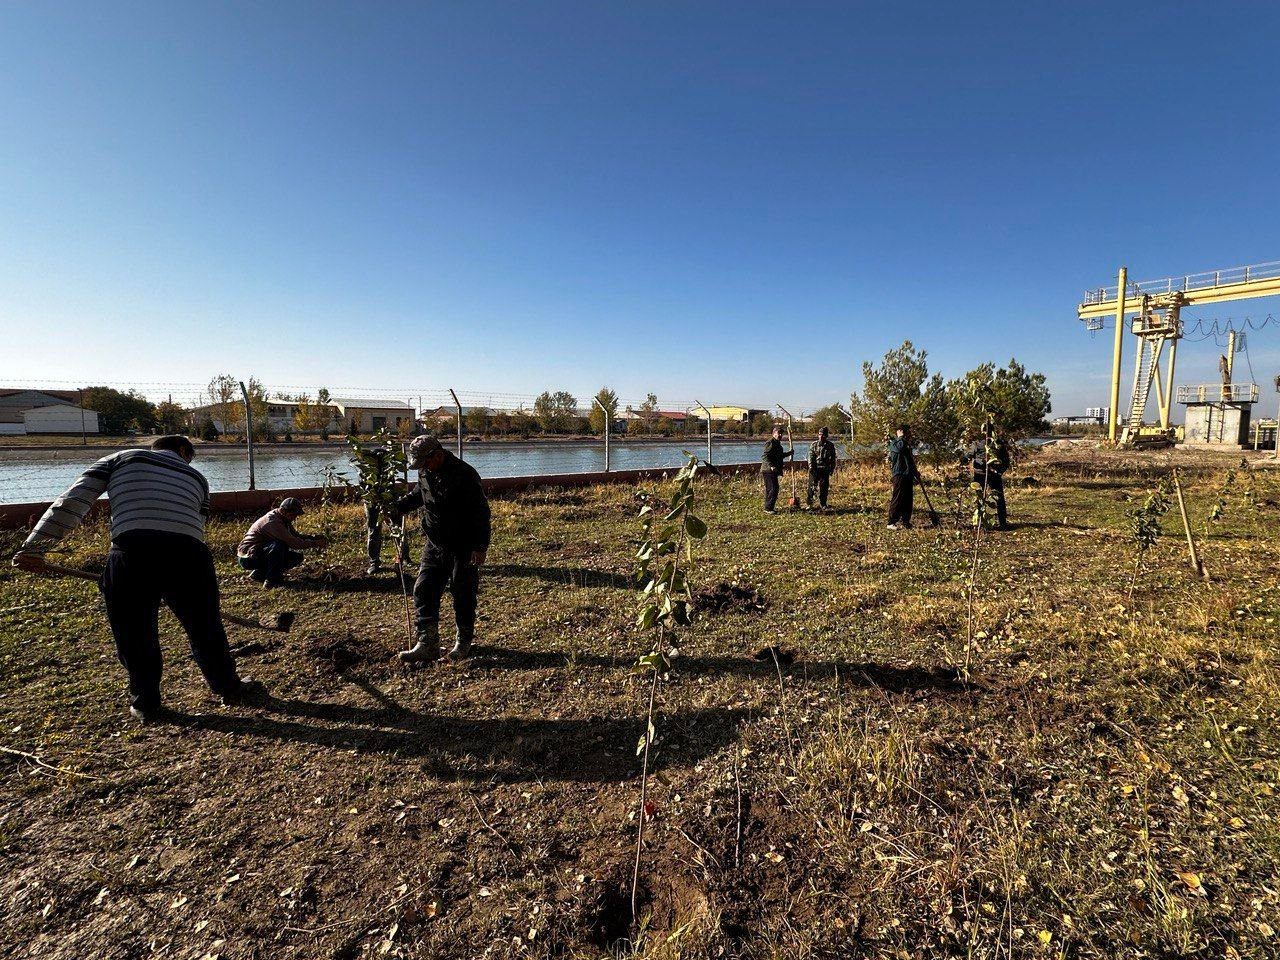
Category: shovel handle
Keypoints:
(87, 575)
(69, 572)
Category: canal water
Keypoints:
(37, 475)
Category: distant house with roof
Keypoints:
(24, 411)
(677, 417)
(348, 415)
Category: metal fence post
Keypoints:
(458, 406)
(705, 409)
(248, 431)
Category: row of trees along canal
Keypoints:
(899, 389)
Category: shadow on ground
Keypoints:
(572, 576)
(505, 749)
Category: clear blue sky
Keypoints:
(730, 201)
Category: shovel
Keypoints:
(933, 514)
(280, 623)
(795, 500)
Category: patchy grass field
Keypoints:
(1103, 785)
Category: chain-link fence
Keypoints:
(299, 432)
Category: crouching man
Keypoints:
(272, 546)
(159, 504)
(455, 524)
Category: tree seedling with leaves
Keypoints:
(381, 467)
(664, 561)
(1144, 526)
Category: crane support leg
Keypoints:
(1155, 376)
(1168, 390)
(1114, 412)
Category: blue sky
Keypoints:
(737, 202)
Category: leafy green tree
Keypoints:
(313, 417)
(119, 412)
(522, 424)
(555, 411)
(607, 399)
(224, 403)
(1016, 401)
(761, 424)
(478, 420)
(207, 429)
(901, 390)
(833, 418)
(170, 417)
(227, 403)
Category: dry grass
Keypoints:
(1104, 786)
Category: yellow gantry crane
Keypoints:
(1157, 305)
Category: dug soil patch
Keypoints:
(726, 597)
(347, 651)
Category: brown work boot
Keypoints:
(460, 650)
(426, 650)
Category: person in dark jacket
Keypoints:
(989, 457)
(822, 463)
(771, 468)
(902, 464)
(159, 504)
(455, 524)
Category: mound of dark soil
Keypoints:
(725, 597)
(347, 651)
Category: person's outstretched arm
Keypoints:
(65, 514)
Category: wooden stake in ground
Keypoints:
(1196, 564)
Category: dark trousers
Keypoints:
(272, 560)
(770, 488)
(995, 486)
(145, 569)
(819, 483)
(373, 539)
(902, 499)
(445, 567)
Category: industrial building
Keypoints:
(24, 412)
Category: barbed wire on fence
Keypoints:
(190, 393)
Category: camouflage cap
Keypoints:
(421, 448)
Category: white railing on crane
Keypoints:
(1218, 393)
(1188, 282)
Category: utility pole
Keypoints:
(84, 441)
(248, 431)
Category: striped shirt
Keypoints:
(148, 489)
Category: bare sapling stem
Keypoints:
(979, 523)
(644, 793)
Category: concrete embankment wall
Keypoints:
(22, 515)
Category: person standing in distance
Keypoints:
(456, 527)
(771, 468)
(822, 463)
(902, 464)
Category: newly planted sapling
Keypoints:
(381, 466)
(664, 561)
(1221, 498)
(1144, 526)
